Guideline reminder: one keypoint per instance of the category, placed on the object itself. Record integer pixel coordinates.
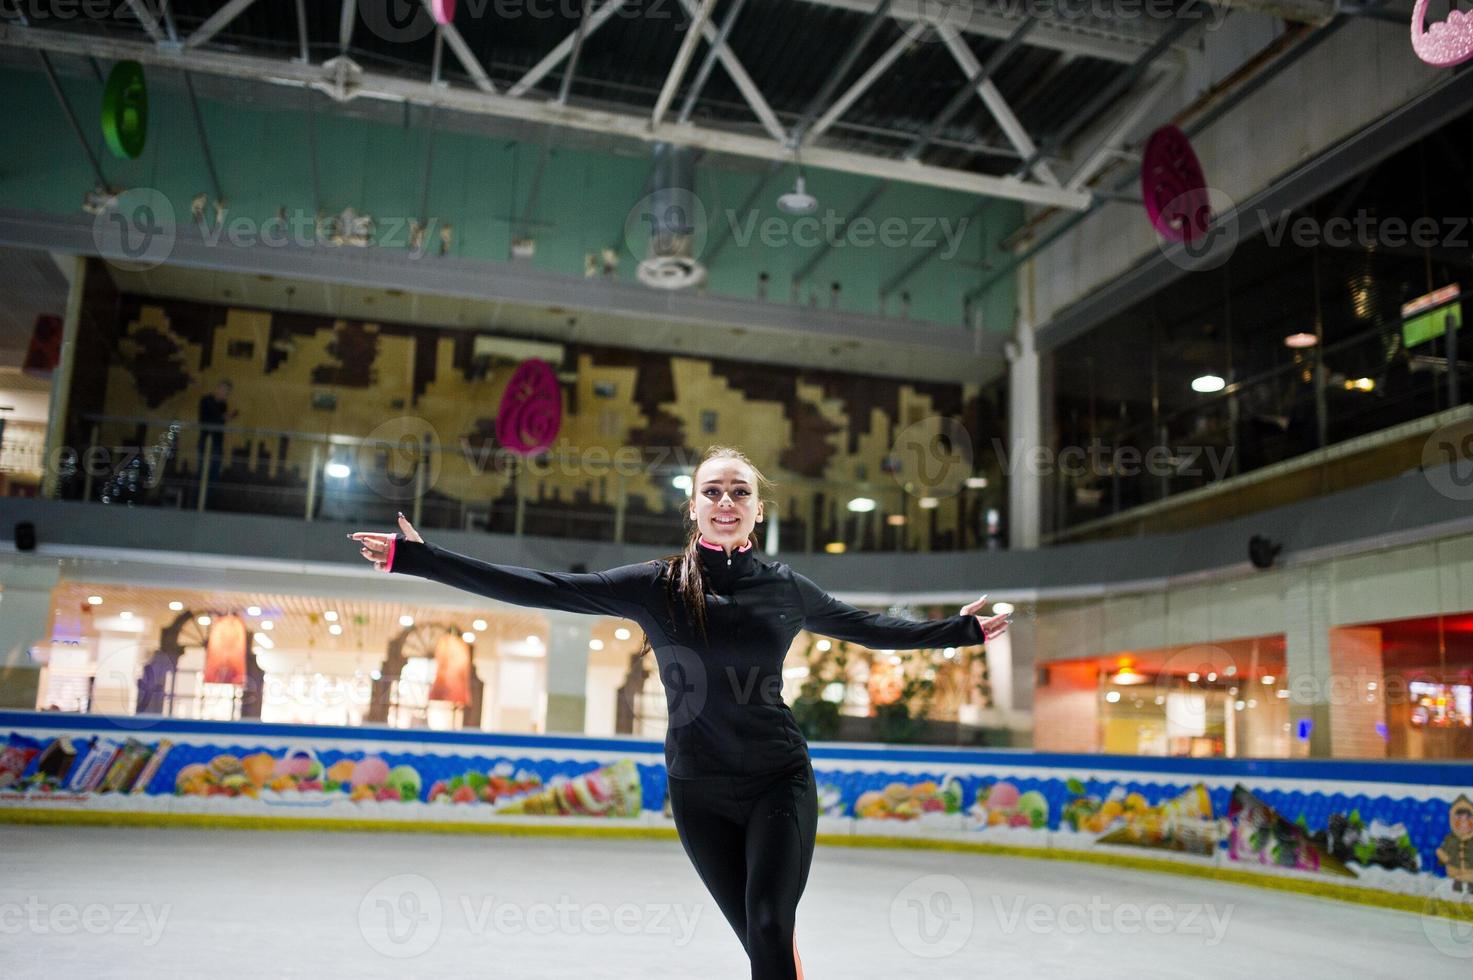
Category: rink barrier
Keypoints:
(1369, 832)
(1317, 889)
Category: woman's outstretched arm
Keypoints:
(618, 591)
(822, 613)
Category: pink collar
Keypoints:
(716, 547)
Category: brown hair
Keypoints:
(682, 571)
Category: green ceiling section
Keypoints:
(481, 187)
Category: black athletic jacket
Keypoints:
(724, 692)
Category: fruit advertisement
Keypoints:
(1397, 828)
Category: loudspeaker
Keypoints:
(25, 536)
(1262, 551)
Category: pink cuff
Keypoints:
(389, 565)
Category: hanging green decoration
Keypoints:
(125, 110)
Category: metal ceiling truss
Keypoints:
(1121, 41)
(1140, 44)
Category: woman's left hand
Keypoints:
(991, 625)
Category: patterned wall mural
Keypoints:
(822, 436)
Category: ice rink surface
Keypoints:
(90, 902)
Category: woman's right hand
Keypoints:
(375, 544)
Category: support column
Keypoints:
(25, 611)
(120, 655)
(567, 671)
(1357, 705)
(61, 382)
(999, 652)
(1025, 434)
(1307, 661)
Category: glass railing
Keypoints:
(633, 497)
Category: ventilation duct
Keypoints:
(673, 221)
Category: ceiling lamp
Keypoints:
(1301, 340)
(1208, 383)
(1127, 674)
(798, 200)
(861, 505)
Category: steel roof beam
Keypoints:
(739, 77)
(840, 72)
(564, 49)
(861, 85)
(217, 22)
(1180, 25)
(991, 97)
(709, 62)
(964, 94)
(1111, 145)
(579, 34)
(392, 88)
(466, 56)
(140, 10)
(682, 61)
(1094, 39)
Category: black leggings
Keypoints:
(751, 840)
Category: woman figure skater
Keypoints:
(720, 620)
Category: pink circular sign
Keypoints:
(1444, 44)
(442, 10)
(531, 410)
(1173, 186)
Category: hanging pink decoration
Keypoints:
(225, 651)
(1443, 44)
(443, 10)
(452, 671)
(531, 409)
(1173, 186)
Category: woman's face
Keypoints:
(725, 505)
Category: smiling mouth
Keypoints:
(725, 521)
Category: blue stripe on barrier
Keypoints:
(1458, 774)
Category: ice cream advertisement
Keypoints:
(304, 777)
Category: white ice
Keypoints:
(154, 903)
